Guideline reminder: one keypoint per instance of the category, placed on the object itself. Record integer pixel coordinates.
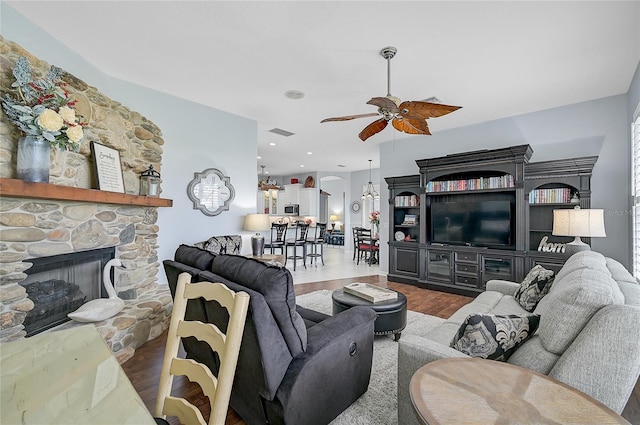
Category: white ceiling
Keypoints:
(496, 59)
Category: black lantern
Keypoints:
(150, 182)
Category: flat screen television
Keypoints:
(482, 223)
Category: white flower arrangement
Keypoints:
(42, 109)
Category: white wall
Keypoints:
(337, 187)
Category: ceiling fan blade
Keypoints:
(417, 109)
(350, 117)
(373, 128)
(411, 125)
(384, 103)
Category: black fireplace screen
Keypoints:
(60, 284)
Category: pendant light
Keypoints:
(370, 193)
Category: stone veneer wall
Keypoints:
(34, 227)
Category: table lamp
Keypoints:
(333, 218)
(577, 222)
(257, 223)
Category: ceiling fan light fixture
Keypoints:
(408, 117)
(394, 99)
(370, 192)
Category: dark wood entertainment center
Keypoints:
(502, 176)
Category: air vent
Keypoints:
(281, 132)
(341, 166)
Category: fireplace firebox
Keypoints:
(59, 284)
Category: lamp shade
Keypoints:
(333, 217)
(578, 222)
(257, 222)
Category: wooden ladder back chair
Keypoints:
(226, 345)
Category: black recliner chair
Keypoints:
(296, 366)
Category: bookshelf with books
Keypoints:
(555, 195)
(404, 227)
(480, 215)
(553, 185)
(504, 181)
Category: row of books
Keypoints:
(560, 195)
(479, 183)
(407, 201)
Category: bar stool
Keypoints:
(300, 240)
(318, 240)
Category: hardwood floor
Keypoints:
(143, 369)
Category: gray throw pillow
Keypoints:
(534, 286)
(494, 337)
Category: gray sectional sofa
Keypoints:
(588, 338)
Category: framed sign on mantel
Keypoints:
(108, 168)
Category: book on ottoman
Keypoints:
(372, 293)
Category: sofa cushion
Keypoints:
(226, 244)
(494, 337)
(194, 257)
(263, 344)
(485, 302)
(532, 355)
(276, 286)
(534, 286)
(582, 260)
(571, 303)
(626, 282)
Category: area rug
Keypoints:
(379, 405)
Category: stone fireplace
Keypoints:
(59, 284)
(39, 220)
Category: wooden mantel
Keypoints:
(15, 188)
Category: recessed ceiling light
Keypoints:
(301, 165)
(258, 157)
(294, 94)
(272, 144)
(309, 153)
(341, 166)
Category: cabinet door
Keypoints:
(496, 267)
(554, 263)
(405, 260)
(292, 193)
(439, 266)
(309, 201)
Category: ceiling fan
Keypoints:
(408, 116)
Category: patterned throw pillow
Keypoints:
(494, 337)
(534, 286)
(228, 244)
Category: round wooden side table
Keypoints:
(465, 391)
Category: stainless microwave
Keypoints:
(292, 209)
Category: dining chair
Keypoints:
(278, 237)
(366, 245)
(317, 240)
(300, 240)
(354, 231)
(225, 345)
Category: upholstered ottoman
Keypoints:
(392, 315)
